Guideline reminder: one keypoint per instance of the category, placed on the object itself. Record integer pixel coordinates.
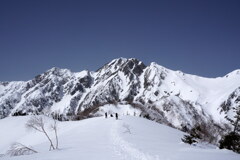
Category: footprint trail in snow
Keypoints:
(125, 149)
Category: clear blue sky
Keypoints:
(199, 37)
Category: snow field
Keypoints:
(129, 138)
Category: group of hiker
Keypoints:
(111, 115)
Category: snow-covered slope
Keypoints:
(174, 98)
(101, 139)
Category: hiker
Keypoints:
(116, 114)
(105, 114)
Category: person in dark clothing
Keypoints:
(116, 114)
(105, 114)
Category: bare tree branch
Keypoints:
(37, 123)
(18, 149)
(55, 128)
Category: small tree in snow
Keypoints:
(193, 137)
(54, 127)
(189, 139)
(37, 123)
(55, 116)
(230, 141)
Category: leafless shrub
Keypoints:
(127, 128)
(18, 149)
(37, 123)
(55, 129)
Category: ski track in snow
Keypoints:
(125, 149)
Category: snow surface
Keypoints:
(129, 138)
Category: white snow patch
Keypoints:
(101, 139)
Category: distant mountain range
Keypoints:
(128, 86)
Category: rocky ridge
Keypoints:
(171, 97)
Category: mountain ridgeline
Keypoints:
(170, 97)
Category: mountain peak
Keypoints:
(58, 72)
(233, 73)
(122, 64)
(122, 61)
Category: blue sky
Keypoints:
(200, 37)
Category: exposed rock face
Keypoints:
(177, 99)
(231, 104)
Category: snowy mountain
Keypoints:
(130, 138)
(128, 86)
